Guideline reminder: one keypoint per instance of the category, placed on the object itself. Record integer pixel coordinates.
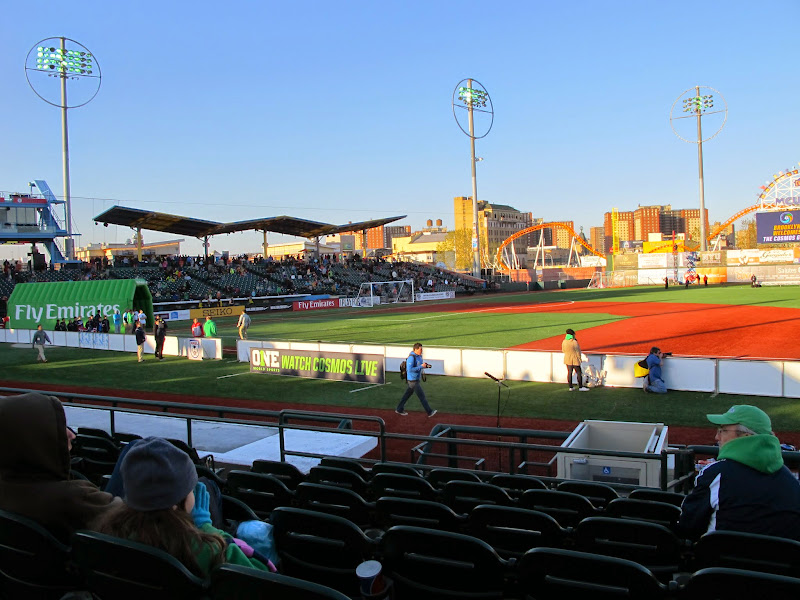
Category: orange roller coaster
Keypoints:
(554, 225)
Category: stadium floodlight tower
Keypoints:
(472, 97)
(65, 60)
(699, 105)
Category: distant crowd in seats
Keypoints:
(227, 280)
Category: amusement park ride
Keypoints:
(782, 193)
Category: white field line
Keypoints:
(369, 387)
(470, 312)
(234, 375)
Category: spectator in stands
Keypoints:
(748, 488)
(243, 324)
(35, 467)
(160, 334)
(654, 380)
(39, 339)
(197, 329)
(167, 508)
(209, 327)
(572, 359)
(140, 339)
(414, 374)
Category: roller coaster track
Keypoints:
(554, 225)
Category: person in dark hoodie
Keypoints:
(748, 488)
(34, 467)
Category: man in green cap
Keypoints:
(748, 488)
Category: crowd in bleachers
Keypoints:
(152, 518)
(186, 278)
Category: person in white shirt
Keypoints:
(243, 325)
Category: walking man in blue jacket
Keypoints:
(414, 366)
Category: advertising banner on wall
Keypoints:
(754, 256)
(216, 312)
(436, 295)
(778, 227)
(654, 261)
(341, 366)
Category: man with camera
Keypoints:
(654, 381)
(414, 366)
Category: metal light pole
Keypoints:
(474, 98)
(698, 106)
(53, 57)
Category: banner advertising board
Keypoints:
(777, 227)
(655, 261)
(435, 295)
(173, 315)
(341, 366)
(315, 304)
(216, 311)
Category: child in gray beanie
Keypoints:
(167, 508)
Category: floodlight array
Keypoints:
(65, 62)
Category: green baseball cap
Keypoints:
(751, 417)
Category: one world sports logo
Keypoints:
(786, 218)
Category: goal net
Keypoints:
(614, 279)
(372, 293)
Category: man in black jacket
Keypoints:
(748, 488)
(160, 333)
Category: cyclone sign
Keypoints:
(778, 227)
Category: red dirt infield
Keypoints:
(714, 330)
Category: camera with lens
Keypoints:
(666, 354)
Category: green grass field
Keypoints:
(230, 379)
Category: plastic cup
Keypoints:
(369, 573)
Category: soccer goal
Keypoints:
(372, 293)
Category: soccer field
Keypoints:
(491, 321)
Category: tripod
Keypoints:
(499, 383)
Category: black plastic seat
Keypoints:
(565, 507)
(403, 486)
(344, 478)
(33, 563)
(234, 512)
(512, 531)
(391, 511)
(515, 485)
(319, 547)
(398, 468)
(121, 569)
(346, 463)
(599, 494)
(720, 583)
(649, 544)
(335, 501)
(424, 563)
(749, 551)
(190, 451)
(463, 496)
(262, 493)
(555, 573)
(658, 496)
(644, 510)
(97, 433)
(236, 581)
(439, 477)
(286, 472)
(95, 447)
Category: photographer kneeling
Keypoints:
(654, 382)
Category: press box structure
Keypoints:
(619, 436)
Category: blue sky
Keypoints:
(342, 111)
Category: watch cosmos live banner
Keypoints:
(367, 368)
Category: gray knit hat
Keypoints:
(156, 475)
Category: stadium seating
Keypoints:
(515, 485)
(262, 493)
(657, 495)
(398, 468)
(319, 547)
(391, 511)
(339, 477)
(556, 573)
(513, 531)
(747, 551)
(404, 486)
(565, 507)
(723, 583)
(122, 570)
(335, 501)
(234, 581)
(463, 496)
(348, 464)
(33, 563)
(427, 564)
(645, 510)
(599, 494)
(286, 472)
(439, 477)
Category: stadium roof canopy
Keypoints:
(178, 225)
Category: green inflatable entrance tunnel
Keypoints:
(33, 304)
